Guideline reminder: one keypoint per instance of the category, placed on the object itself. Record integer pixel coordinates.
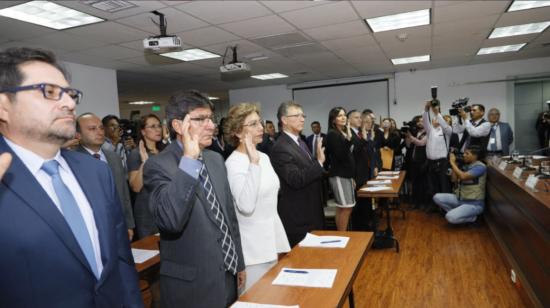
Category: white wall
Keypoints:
(409, 91)
(413, 89)
(269, 97)
(99, 86)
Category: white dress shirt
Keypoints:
(479, 131)
(497, 140)
(255, 189)
(34, 163)
(437, 144)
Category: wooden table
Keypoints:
(347, 261)
(150, 243)
(384, 195)
(519, 218)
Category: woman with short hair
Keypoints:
(254, 185)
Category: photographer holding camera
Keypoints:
(415, 140)
(468, 199)
(476, 130)
(437, 148)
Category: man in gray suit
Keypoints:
(501, 136)
(90, 132)
(202, 263)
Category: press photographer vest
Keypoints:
(482, 142)
(473, 189)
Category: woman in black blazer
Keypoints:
(342, 165)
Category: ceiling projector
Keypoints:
(161, 44)
(234, 71)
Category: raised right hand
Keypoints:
(143, 151)
(320, 151)
(190, 141)
(251, 151)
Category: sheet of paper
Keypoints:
(324, 241)
(387, 177)
(142, 255)
(388, 173)
(379, 182)
(375, 188)
(517, 173)
(531, 181)
(539, 157)
(240, 304)
(502, 165)
(306, 277)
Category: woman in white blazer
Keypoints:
(254, 185)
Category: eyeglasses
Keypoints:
(201, 120)
(257, 123)
(50, 91)
(154, 126)
(298, 115)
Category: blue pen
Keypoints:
(334, 241)
(295, 271)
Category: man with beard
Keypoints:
(64, 241)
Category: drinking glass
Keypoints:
(515, 155)
(545, 167)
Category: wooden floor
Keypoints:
(439, 265)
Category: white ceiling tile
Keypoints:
(206, 36)
(109, 32)
(368, 9)
(476, 25)
(523, 17)
(20, 30)
(323, 15)
(283, 6)
(408, 49)
(147, 60)
(470, 9)
(361, 54)
(113, 52)
(177, 21)
(445, 3)
(510, 40)
(343, 30)
(350, 42)
(16, 44)
(258, 27)
(69, 41)
(244, 48)
(219, 12)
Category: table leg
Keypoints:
(351, 300)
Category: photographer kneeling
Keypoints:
(469, 198)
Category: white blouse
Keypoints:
(254, 189)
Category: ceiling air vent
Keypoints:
(110, 6)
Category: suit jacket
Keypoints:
(41, 262)
(192, 271)
(300, 203)
(309, 141)
(506, 137)
(115, 163)
(266, 144)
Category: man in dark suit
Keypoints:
(64, 241)
(501, 135)
(91, 133)
(314, 138)
(202, 263)
(268, 139)
(300, 203)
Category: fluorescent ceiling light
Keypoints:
(269, 76)
(190, 55)
(499, 49)
(213, 98)
(398, 21)
(49, 14)
(141, 103)
(424, 58)
(519, 29)
(525, 5)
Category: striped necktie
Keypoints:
(230, 257)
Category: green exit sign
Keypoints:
(155, 108)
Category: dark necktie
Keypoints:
(493, 138)
(314, 149)
(230, 257)
(97, 156)
(360, 134)
(304, 147)
(72, 214)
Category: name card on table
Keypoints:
(502, 165)
(517, 172)
(531, 181)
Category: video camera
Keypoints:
(460, 103)
(128, 130)
(435, 102)
(408, 127)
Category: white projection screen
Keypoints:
(317, 101)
